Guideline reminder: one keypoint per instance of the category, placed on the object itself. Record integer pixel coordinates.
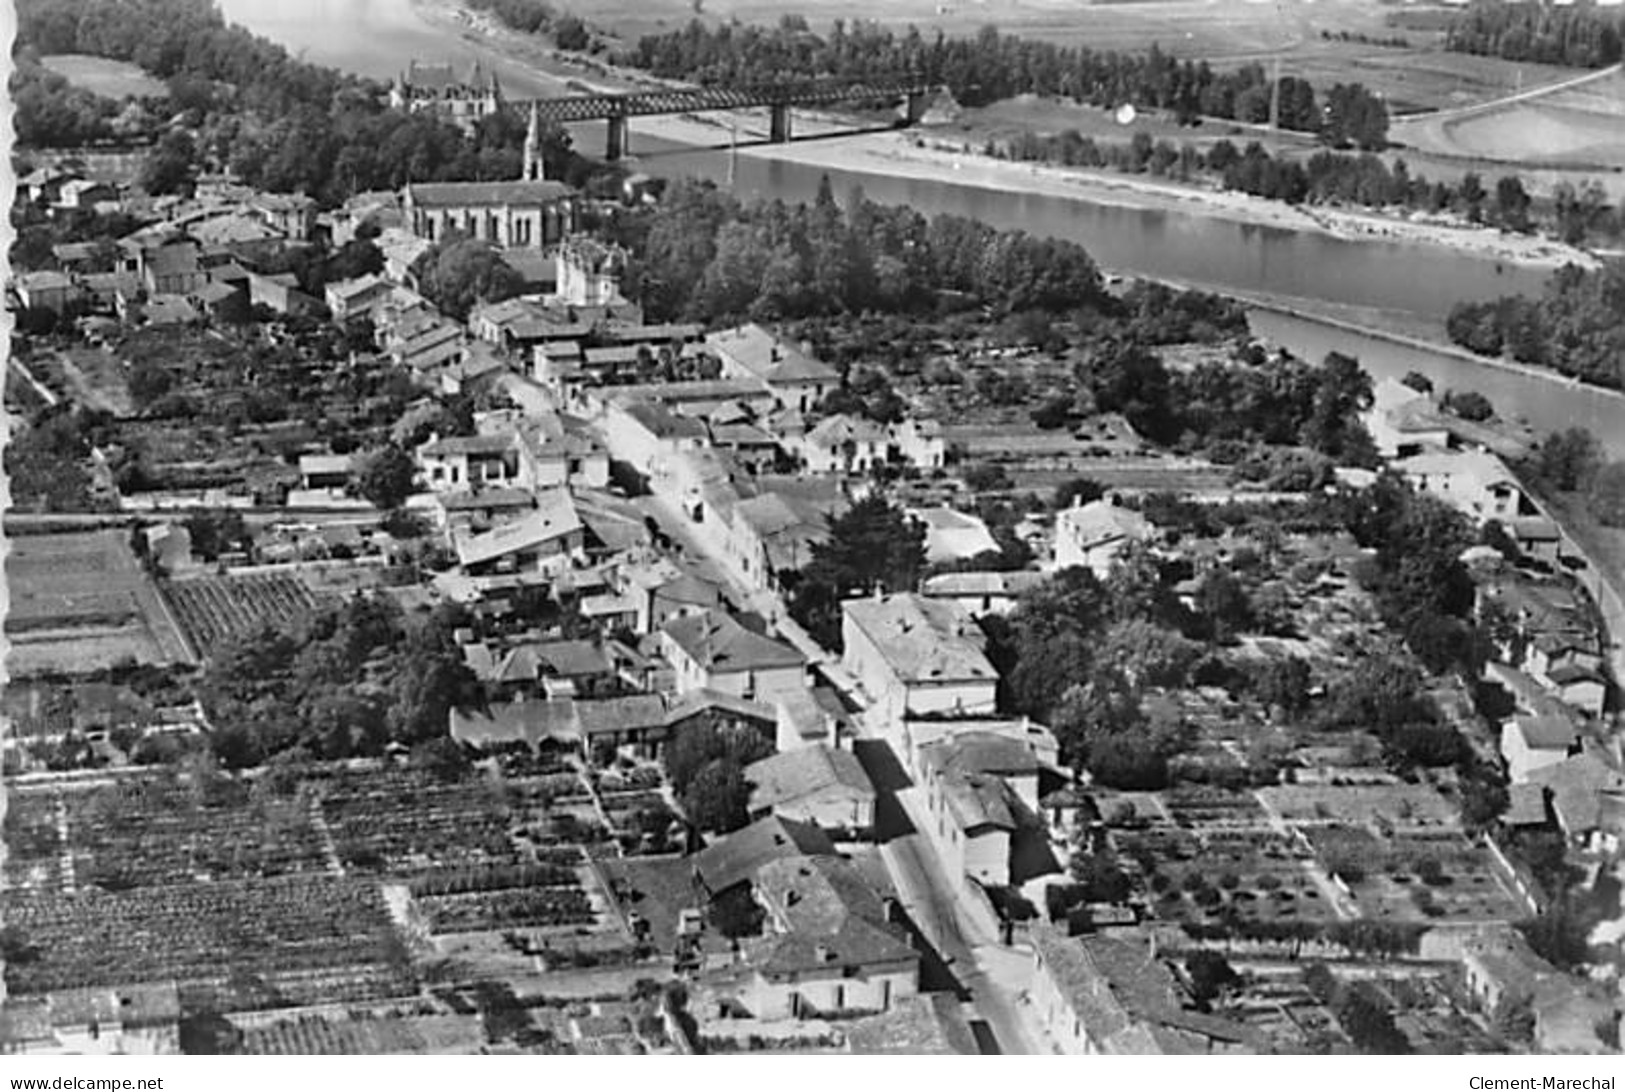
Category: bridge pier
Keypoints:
(916, 107)
(619, 138)
(778, 127)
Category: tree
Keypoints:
(1077, 491)
(386, 477)
(169, 167)
(1607, 494)
(871, 546)
(1418, 382)
(1210, 976)
(1512, 204)
(1468, 405)
(1568, 458)
(460, 272)
(216, 531)
(718, 797)
(571, 33)
(735, 913)
(1147, 654)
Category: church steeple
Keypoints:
(533, 170)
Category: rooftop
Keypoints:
(768, 358)
(718, 643)
(806, 772)
(923, 640)
(554, 517)
(737, 857)
(459, 194)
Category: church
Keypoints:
(532, 211)
(437, 88)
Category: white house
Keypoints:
(798, 380)
(917, 655)
(981, 593)
(981, 789)
(1092, 535)
(546, 540)
(1475, 483)
(347, 299)
(1403, 421)
(1530, 742)
(711, 651)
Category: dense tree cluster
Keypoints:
(458, 272)
(348, 682)
(1576, 35)
(704, 254)
(872, 545)
(1421, 586)
(993, 66)
(706, 763)
(1577, 327)
(277, 123)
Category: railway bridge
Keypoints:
(616, 108)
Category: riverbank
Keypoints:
(920, 155)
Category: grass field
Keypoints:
(115, 79)
(80, 602)
(1574, 126)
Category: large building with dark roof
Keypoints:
(520, 213)
(462, 96)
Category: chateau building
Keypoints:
(439, 89)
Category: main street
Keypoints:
(926, 891)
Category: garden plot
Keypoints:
(1250, 876)
(213, 608)
(1418, 879)
(80, 602)
(299, 939)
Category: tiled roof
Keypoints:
(459, 194)
(717, 643)
(807, 772)
(555, 517)
(737, 857)
(923, 640)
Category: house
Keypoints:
(981, 593)
(1109, 994)
(981, 790)
(638, 723)
(817, 784)
(325, 471)
(524, 213)
(797, 380)
(1587, 797)
(535, 723)
(831, 947)
(843, 444)
(291, 214)
(46, 290)
(134, 1019)
(1530, 742)
(85, 195)
(1500, 969)
(774, 534)
(952, 536)
(401, 250)
(711, 651)
(917, 655)
(352, 298)
(811, 717)
(648, 436)
(281, 294)
(662, 591)
(590, 272)
(1035, 737)
(1475, 483)
(1404, 421)
(476, 366)
(482, 509)
(245, 237)
(548, 668)
(1092, 535)
(545, 541)
(174, 269)
(736, 858)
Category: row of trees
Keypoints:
(1329, 178)
(706, 255)
(993, 66)
(1577, 35)
(1577, 327)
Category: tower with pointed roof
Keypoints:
(534, 169)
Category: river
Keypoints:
(1418, 283)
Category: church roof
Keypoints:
(476, 194)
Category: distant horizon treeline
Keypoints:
(1579, 35)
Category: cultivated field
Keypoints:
(80, 602)
(213, 608)
(115, 79)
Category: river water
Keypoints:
(378, 37)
